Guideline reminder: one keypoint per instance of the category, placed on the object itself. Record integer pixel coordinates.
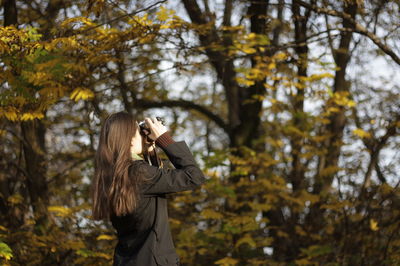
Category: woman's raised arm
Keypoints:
(186, 175)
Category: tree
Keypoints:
(297, 133)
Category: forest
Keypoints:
(290, 107)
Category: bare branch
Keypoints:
(184, 104)
(357, 28)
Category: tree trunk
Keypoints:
(10, 13)
(336, 126)
(33, 136)
(33, 133)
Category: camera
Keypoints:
(145, 130)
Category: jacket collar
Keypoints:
(136, 156)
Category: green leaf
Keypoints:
(5, 251)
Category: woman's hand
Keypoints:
(156, 128)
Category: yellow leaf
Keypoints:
(174, 221)
(48, 46)
(76, 20)
(271, 66)
(143, 21)
(19, 100)
(258, 97)
(300, 231)
(361, 133)
(336, 206)
(105, 237)
(260, 206)
(202, 251)
(333, 109)
(247, 239)
(254, 73)
(10, 115)
(299, 85)
(81, 68)
(3, 228)
(340, 98)
(373, 225)
(103, 255)
(267, 86)
(53, 92)
(15, 199)
(74, 244)
(164, 13)
(315, 77)
(249, 50)
(81, 93)
(351, 103)
(165, 26)
(227, 261)
(243, 81)
(233, 28)
(324, 120)
(303, 262)
(211, 214)
(250, 36)
(312, 198)
(330, 170)
(280, 56)
(282, 234)
(30, 222)
(59, 210)
(27, 116)
(31, 116)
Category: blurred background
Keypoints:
(290, 107)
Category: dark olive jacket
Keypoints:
(144, 237)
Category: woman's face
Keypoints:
(136, 143)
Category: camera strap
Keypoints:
(153, 158)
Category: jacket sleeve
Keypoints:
(186, 175)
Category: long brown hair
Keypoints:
(114, 189)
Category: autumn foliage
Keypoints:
(300, 147)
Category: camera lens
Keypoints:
(144, 130)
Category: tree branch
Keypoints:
(72, 166)
(357, 28)
(183, 104)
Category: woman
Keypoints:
(132, 193)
